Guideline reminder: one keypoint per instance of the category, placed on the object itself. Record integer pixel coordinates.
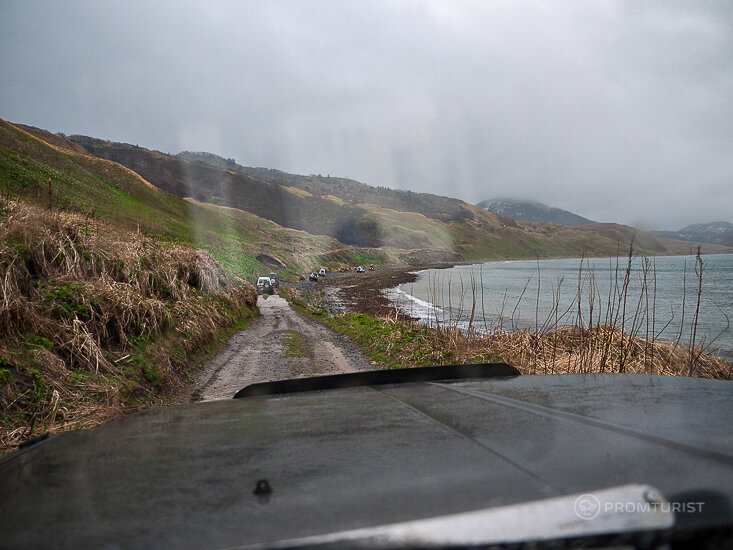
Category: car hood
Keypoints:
(356, 458)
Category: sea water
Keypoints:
(658, 298)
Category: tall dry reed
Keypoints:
(585, 336)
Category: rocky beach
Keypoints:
(362, 292)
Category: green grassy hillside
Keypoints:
(404, 224)
(244, 243)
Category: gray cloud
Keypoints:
(619, 111)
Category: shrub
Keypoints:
(39, 342)
(5, 376)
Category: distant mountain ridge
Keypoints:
(436, 207)
(533, 211)
(714, 227)
(713, 233)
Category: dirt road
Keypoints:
(280, 344)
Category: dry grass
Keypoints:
(96, 321)
(394, 342)
(601, 349)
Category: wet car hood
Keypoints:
(355, 458)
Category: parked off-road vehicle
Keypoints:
(274, 280)
(264, 286)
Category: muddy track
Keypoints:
(270, 350)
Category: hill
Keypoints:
(432, 206)
(105, 305)
(245, 244)
(533, 212)
(716, 233)
(411, 227)
(320, 206)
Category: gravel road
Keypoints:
(265, 351)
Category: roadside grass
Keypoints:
(390, 344)
(300, 302)
(384, 344)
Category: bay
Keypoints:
(657, 298)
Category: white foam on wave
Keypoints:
(433, 315)
(401, 294)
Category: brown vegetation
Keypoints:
(396, 343)
(96, 321)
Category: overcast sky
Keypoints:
(617, 111)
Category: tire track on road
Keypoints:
(258, 353)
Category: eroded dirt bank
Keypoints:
(279, 344)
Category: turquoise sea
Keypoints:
(658, 298)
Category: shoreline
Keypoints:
(353, 292)
(569, 349)
(364, 292)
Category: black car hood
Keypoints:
(361, 457)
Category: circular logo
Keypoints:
(587, 507)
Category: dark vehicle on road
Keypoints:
(459, 456)
(264, 286)
(274, 280)
(313, 276)
(371, 268)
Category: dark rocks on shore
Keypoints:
(361, 292)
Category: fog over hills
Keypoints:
(533, 211)
(713, 232)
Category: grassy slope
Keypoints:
(97, 320)
(106, 190)
(409, 225)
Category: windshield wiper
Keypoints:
(379, 377)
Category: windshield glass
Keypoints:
(200, 197)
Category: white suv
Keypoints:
(264, 286)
